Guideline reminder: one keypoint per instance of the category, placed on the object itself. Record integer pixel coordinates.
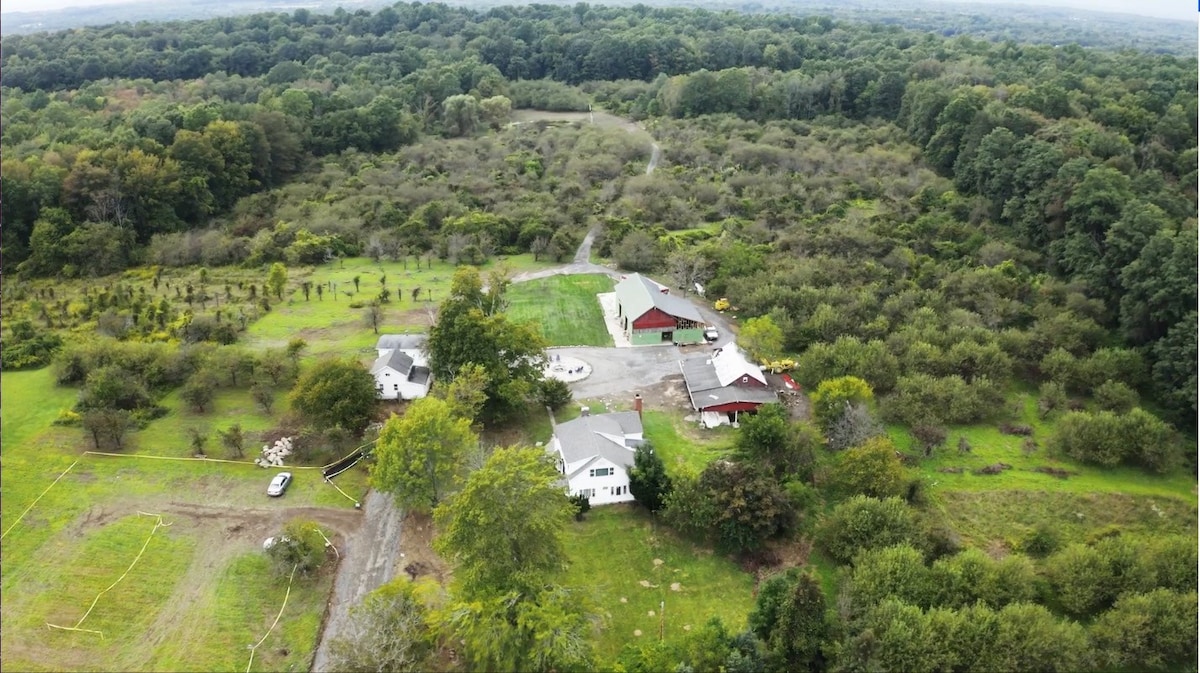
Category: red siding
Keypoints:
(734, 406)
(652, 319)
(751, 382)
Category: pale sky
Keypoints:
(1167, 9)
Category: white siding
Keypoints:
(605, 490)
(392, 385)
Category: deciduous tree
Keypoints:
(503, 531)
(336, 392)
(388, 631)
(420, 455)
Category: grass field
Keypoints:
(681, 446)
(564, 307)
(198, 595)
(617, 548)
(332, 327)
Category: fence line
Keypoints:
(202, 460)
(339, 490)
(158, 524)
(281, 608)
(35, 501)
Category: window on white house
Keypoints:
(600, 472)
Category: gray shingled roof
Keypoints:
(412, 342)
(638, 294)
(419, 375)
(705, 389)
(396, 359)
(581, 438)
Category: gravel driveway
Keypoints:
(369, 559)
(622, 371)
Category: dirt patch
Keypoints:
(417, 557)
(1053, 471)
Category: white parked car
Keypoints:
(279, 484)
(711, 334)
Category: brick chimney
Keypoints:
(637, 405)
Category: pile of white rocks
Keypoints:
(273, 454)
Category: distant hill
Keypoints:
(42, 20)
(1153, 25)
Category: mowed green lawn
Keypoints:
(564, 307)
(199, 594)
(633, 567)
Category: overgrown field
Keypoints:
(564, 307)
(1037, 487)
(634, 568)
(337, 322)
(199, 594)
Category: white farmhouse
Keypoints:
(401, 371)
(595, 454)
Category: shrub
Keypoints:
(929, 437)
(872, 469)
(921, 398)
(865, 523)
(302, 546)
(1041, 540)
(581, 503)
(1109, 439)
(1052, 396)
(1116, 397)
(554, 393)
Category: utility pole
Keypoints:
(662, 606)
(591, 116)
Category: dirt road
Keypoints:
(369, 559)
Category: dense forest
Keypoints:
(1061, 178)
(928, 223)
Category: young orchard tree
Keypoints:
(263, 395)
(420, 455)
(233, 440)
(277, 279)
(373, 315)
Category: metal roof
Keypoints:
(412, 342)
(638, 294)
(732, 365)
(704, 386)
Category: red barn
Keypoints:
(725, 384)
